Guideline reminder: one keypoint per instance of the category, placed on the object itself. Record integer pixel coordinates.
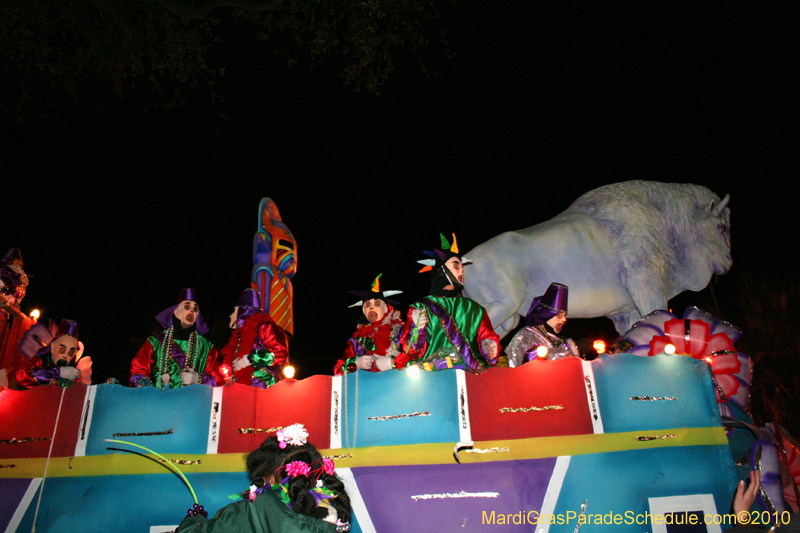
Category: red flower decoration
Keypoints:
(328, 466)
(697, 342)
(297, 468)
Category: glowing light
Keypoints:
(669, 348)
(35, 314)
(709, 360)
(541, 352)
(226, 371)
(288, 371)
(412, 371)
(599, 346)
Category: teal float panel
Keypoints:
(122, 410)
(388, 394)
(622, 482)
(622, 376)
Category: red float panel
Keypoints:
(538, 384)
(32, 414)
(307, 402)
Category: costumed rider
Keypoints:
(13, 280)
(258, 347)
(53, 356)
(181, 354)
(446, 330)
(374, 345)
(539, 338)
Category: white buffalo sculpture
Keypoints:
(623, 250)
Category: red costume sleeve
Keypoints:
(25, 379)
(485, 331)
(273, 338)
(341, 364)
(142, 364)
(212, 376)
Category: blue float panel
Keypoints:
(395, 393)
(122, 410)
(622, 376)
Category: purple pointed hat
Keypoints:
(249, 298)
(165, 317)
(67, 327)
(187, 294)
(249, 304)
(545, 307)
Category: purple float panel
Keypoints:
(12, 492)
(453, 496)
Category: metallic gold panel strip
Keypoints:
(150, 434)
(14, 440)
(398, 417)
(653, 398)
(259, 430)
(529, 409)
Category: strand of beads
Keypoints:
(190, 363)
(197, 509)
(166, 349)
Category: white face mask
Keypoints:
(186, 312)
(374, 310)
(63, 350)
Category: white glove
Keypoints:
(383, 362)
(364, 362)
(489, 347)
(70, 373)
(240, 363)
(188, 377)
(165, 379)
(420, 318)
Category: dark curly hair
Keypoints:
(263, 464)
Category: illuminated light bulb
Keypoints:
(541, 352)
(709, 360)
(226, 371)
(412, 371)
(599, 346)
(669, 348)
(35, 314)
(288, 371)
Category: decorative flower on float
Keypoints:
(699, 335)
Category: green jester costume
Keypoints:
(166, 359)
(446, 330)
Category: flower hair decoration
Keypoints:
(328, 466)
(297, 468)
(296, 435)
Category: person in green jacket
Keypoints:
(294, 489)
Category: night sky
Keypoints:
(116, 211)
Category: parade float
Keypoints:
(560, 445)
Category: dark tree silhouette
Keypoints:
(166, 53)
(768, 312)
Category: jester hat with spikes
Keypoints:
(440, 274)
(375, 293)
